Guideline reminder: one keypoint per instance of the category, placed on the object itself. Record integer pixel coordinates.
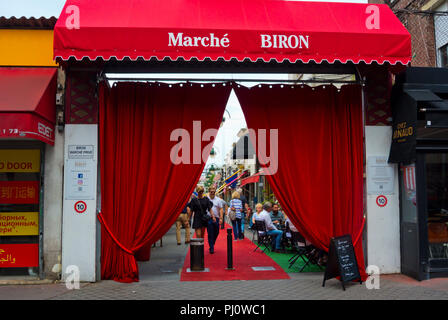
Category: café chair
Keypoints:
(262, 236)
(303, 251)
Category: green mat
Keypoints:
(282, 260)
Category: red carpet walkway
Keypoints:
(244, 258)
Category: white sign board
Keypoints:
(380, 175)
(80, 151)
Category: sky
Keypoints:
(31, 8)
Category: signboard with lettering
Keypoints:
(19, 223)
(19, 192)
(23, 255)
(19, 160)
(80, 151)
(342, 261)
(404, 127)
(380, 175)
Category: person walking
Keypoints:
(245, 211)
(216, 216)
(183, 220)
(200, 207)
(225, 208)
(236, 214)
(270, 227)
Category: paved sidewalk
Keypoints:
(160, 281)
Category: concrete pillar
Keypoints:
(383, 222)
(52, 217)
(79, 229)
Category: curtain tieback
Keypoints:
(118, 243)
(360, 231)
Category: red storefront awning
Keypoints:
(252, 179)
(235, 29)
(28, 103)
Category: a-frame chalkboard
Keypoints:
(342, 261)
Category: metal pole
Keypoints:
(192, 80)
(229, 250)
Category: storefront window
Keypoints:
(19, 211)
(437, 203)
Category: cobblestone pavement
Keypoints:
(160, 281)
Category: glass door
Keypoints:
(436, 209)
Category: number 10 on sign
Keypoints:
(80, 207)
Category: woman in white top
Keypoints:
(258, 209)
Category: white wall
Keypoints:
(79, 229)
(383, 223)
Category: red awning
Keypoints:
(28, 103)
(252, 179)
(235, 29)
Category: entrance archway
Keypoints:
(149, 44)
(296, 100)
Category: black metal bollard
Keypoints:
(229, 250)
(197, 254)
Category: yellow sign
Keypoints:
(19, 160)
(19, 223)
(26, 48)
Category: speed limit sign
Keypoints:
(80, 207)
(381, 201)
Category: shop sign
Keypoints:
(19, 160)
(19, 255)
(19, 223)
(19, 192)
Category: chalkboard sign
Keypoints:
(342, 261)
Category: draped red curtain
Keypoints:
(319, 180)
(142, 190)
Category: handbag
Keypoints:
(204, 217)
(232, 214)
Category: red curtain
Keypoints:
(319, 181)
(142, 190)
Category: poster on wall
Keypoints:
(80, 172)
(380, 175)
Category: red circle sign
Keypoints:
(381, 201)
(80, 206)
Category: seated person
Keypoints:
(276, 215)
(270, 227)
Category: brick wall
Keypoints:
(421, 28)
